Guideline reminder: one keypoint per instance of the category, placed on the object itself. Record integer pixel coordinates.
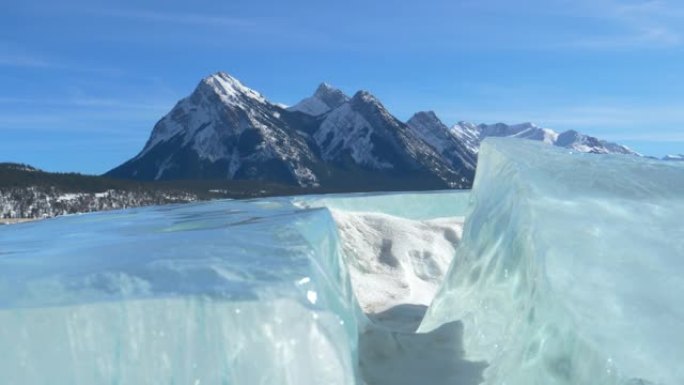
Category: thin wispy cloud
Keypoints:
(656, 136)
(87, 102)
(42, 63)
(23, 61)
(79, 115)
(177, 18)
(603, 67)
(642, 24)
(647, 37)
(253, 31)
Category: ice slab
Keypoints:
(214, 293)
(571, 268)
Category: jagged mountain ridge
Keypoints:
(225, 130)
(472, 135)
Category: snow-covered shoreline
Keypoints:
(14, 221)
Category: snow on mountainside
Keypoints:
(468, 134)
(585, 143)
(432, 131)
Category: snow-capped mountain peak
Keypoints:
(223, 130)
(325, 99)
(207, 114)
(330, 95)
(229, 89)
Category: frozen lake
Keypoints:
(558, 268)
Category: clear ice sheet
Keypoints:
(571, 268)
(214, 293)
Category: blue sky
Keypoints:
(83, 82)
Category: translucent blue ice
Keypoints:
(213, 293)
(571, 268)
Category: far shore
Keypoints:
(13, 221)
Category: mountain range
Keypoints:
(225, 130)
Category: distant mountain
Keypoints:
(472, 135)
(225, 130)
(362, 133)
(675, 158)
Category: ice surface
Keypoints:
(216, 293)
(571, 268)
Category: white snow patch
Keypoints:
(396, 266)
(394, 261)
